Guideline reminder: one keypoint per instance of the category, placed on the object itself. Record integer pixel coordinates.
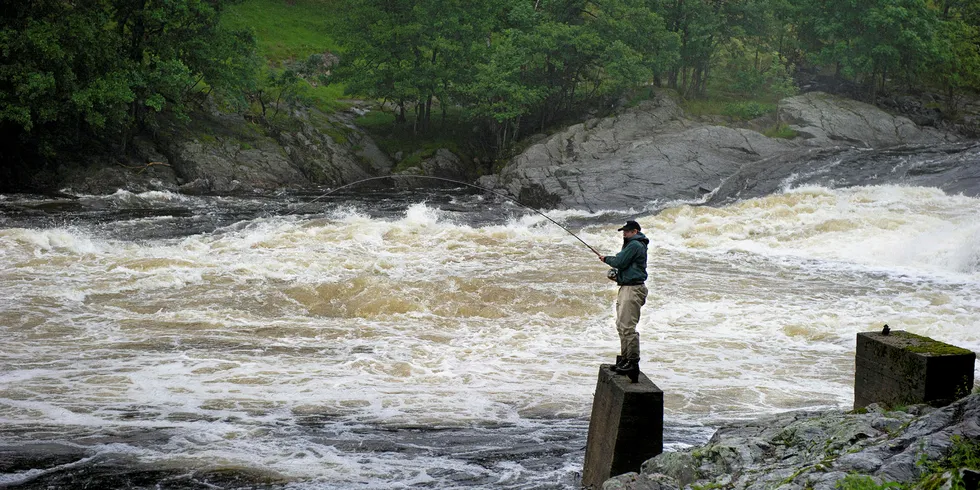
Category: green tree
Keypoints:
(71, 71)
(957, 67)
(514, 65)
(411, 53)
(870, 41)
(705, 27)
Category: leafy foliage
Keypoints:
(748, 109)
(963, 453)
(513, 65)
(98, 70)
(73, 70)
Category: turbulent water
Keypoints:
(433, 339)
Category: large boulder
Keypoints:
(144, 170)
(226, 153)
(648, 153)
(440, 169)
(828, 120)
(652, 153)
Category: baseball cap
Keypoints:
(630, 225)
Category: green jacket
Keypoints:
(631, 261)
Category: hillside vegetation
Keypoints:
(482, 75)
(285, 30)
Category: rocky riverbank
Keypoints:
(655, 152)
(818, 450)
(225, 153)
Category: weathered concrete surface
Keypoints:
(653, 153)
(813, 449)
(626, 427)
(904, 369)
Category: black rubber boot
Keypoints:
(630, 368)
(619, 362)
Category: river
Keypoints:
(437, 338)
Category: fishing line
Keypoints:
(509, 198)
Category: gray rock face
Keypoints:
(813, 449)
(230, 154)
(148, 170)
(951, 167)
(828, 120)
(444, 164)
(651, 153)
(225, 153)
(648, 153)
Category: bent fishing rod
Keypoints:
(509, 198)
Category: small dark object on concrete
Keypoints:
(885, 330)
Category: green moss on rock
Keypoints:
(925, 345)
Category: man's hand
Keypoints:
(602, 258)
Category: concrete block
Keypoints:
(902, 368)
(626, 428)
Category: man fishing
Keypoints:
(631, 272)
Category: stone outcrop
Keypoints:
(443, 164)
(650, 152)
(225, 153)
(644, 157)
(653, 154)
(951, 167)
(813, 450)
(827, 120)
(147, 170)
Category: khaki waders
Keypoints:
(628, 304)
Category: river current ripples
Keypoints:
(437, 338)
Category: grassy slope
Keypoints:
(290, 31)
(285, 32)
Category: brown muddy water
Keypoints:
(432, 339)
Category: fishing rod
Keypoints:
(519, 203)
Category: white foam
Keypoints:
(50, 240)
(421, 320)
(123, 196)
(914, 230)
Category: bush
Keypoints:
(785, 132)
(748, 110)
(861, 482)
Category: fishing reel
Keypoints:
(611, 274)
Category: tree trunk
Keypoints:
(427, 119)
(418, 119)
(874, 87)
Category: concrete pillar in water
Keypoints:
(626, 428)
(902, 368)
